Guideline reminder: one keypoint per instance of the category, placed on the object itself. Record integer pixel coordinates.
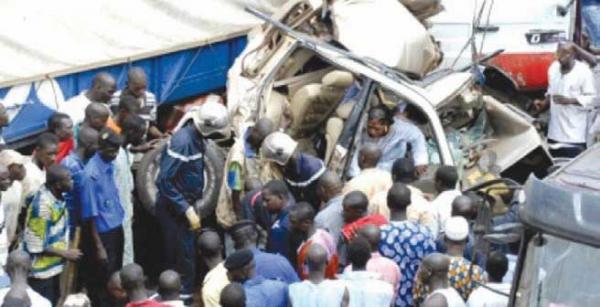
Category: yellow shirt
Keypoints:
(214, 282)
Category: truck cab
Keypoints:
(560, 249)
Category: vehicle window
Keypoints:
(503, 12)
(560, 273)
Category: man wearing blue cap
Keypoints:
(259, 291)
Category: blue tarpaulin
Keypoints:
(171, 77)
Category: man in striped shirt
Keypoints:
(136, 87)
(46, 234)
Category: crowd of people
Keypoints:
(288, 231)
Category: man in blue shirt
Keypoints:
(272, 215)
(269, 266)
(102, 212)
(180, 184)
(259, 291)
(87, 145)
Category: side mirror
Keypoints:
(563, 10)
(502, 238)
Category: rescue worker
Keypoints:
(301, 171)
(180, 184)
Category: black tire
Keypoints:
(145, 182)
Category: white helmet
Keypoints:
(212, 120)
(278, 147)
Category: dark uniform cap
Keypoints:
(238, 260)
(108, 136)
(241, 224)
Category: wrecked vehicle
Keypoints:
(288, 65)
(296, 68)
(561, 238)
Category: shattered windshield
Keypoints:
(553, 274)
(463, 141)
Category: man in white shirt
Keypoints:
(570, 90)
(102, 90)
(43, 156)
(491, 295)
(17, 267)
(316, 290)
(365, 288)
(446, 178)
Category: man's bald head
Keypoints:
(435, 265)
(233, 295)
(398, 197)
(369, 156)
(96, 115)
(88, 140)
(209, 244)
(464, 206)
(329, 186)
(132, 277)
(136, 82)
(169, 285)
(103, 79)
(136, 74)
(316, 258)
(244, 234)
(354, 206)
(58, 179)
(403, 170)
(330, 180)
(372, 234)
(103, 87)
(566, 54)
(18, 263)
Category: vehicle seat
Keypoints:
(275, 108)
(313, 102)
